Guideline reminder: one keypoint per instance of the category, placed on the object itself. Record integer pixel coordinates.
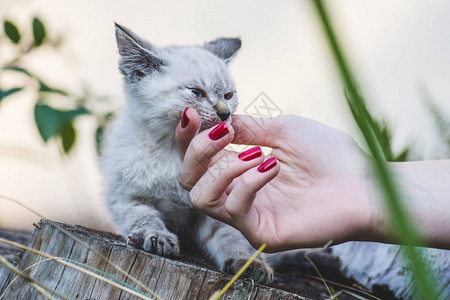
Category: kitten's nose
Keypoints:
(223, 115)
(222, 110)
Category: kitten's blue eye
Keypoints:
(197, 92)
(228, 96)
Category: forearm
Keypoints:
(424, 187)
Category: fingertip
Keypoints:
(220, 135)
(269, 169)
(232, 132)
(190, 120)
(186, 129)
(251, 154)
(193, 116)
(230, 136)
(184, 119)
(269, 164)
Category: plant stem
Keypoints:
(402, 225)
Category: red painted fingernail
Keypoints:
(267, 165)
(184, 119)
(250, 154)
(220, 131)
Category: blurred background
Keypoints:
(60, 84)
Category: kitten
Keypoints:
(140, 161)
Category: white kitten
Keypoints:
(140, 160)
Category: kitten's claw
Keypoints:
(258, 270)
(163, 243)
(153, 240)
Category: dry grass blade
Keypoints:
(137, 282)
(140, 284)
(346, 288)
(66, 259)
(348, 293)
(41, 288)
(316, 269)
(219, 294)
(90, 273)
(325, 281)
(320, 275)
(22, 272)
(353, 295)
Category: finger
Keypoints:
(200, 152)
(239, 204)
(259, 131)
(186, 129)
(221, 174)
(236, 180)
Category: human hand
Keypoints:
(317, 191)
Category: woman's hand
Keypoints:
(313, 190)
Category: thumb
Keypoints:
(258, 131)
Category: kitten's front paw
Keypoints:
(258, 270)
(162, 243)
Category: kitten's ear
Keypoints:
(225, 48)
(138, 57)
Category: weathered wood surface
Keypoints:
(169, 279)
(11, 253)
(377, 266)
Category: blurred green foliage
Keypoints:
(378, 139)
(384, 137)
(441, 120)
(38, 32)
(11, 32)
(442, 123)
(51, 122)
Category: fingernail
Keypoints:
(184, 119)
(250, 154)
(220, 131)
(267, 165)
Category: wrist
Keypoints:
(380, 226)
(424, 199)
(372, 213)
(425, 196)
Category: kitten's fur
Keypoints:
(140, 160)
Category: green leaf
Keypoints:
(72, 114)
(18, 69)
(441, 121)
(39, 32)
(384, 139)
(11, 32)
(53, 122)
(68, 136)
(6, 93)
(48, 120)
(99, 137)
(43, 87)
(403, 156)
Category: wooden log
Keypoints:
(377, 266)
(11, 253)
(169, 279)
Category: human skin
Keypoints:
(321, 189)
